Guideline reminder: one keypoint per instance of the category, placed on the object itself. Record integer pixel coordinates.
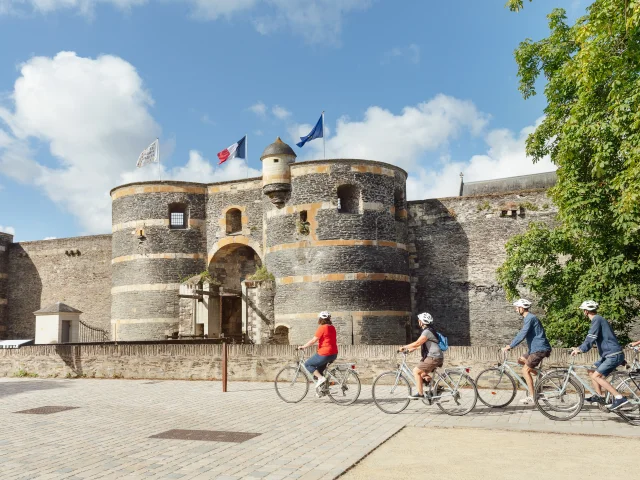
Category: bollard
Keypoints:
(224, 366)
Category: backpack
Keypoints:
(443, 342)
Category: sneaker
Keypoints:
(526, 401)
(617, 403)
(320, 381)
(415, 396)
(595, 399)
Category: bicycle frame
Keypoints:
(403, 369)
(328, 372)
(508, 365)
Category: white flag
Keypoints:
(148, 155)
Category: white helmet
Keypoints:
(523, 302)
(324, 315)
(425, 318)
(589, 305)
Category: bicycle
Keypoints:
(560, 394)
(618, 375)
(342, 385)
(497, 385)
(454, 392)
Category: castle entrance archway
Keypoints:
(230, 266)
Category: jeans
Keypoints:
(319, 362)
(607, 365)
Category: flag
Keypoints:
(238, 150)
(149, 155)
(317, 132)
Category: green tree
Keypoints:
(591, 131)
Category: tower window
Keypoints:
(276, 160)
(348, 199)
(234, 221)
(178, 216)
(398, 202)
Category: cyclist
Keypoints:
(327, 347)
(432, 356)
(611, 355)
(537, 343)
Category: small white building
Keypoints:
(57, 323)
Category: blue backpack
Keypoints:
(443, 342)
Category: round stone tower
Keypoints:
(159, 238)
(339, 243)
(276, 175)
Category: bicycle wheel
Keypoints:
(558, 397)
(630, 388)
(291, 384)
(458, 395)
(344, 386)
(496, 388)
(391, 392)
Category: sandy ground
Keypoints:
(461, 454)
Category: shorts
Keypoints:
(606, 365)
(429, 364)
(533, 360)
(319, 362)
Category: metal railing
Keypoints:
(89, 334)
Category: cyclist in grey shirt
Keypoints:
(431, 354)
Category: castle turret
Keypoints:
(276, 174)
(5, 240)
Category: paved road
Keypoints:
(108, 435)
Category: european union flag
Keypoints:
(317, 132)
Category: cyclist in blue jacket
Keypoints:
(539, 347)
(610, 351)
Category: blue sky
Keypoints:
(85, 85)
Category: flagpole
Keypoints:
(246, 152)
(158, 151)
(324, 148)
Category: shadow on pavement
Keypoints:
(15, 388)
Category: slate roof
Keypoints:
(58, 307)
(277, 148)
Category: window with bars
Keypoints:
(177, 216)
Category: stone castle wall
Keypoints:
(76, 271)
(459, 243)
(353, 264)
(5, 242)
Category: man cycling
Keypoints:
(537, 342)
(327, 347)
(611, 354)
(432, 356)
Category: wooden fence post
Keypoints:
(224, 366)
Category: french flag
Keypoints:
(238, 150)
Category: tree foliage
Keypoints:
(591, 131)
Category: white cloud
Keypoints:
(318, 21)
(94, 116)
(398, 139)
(411, 53)
(197, 169)
(50, 238)
(505, 157)
(280, 112)
(85, 7)
(259, 109)
(7, 229)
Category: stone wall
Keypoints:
(458, 243)
(75, 271)
(5, 242)
(203, 361)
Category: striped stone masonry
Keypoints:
(146, 189)
(158, 256)
(340, 277)
(156, 222)
(149, 287)
(336, 243)
(373, 169)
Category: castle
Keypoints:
(335, 235)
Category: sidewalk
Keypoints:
(108, 435)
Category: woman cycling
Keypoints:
(327, 347)
(432, 356)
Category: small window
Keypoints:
(276, 160)
(234, 221)
(177, 216)
(398, 203)
(303, 216)
(348, 199)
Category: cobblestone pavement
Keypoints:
(107, 436)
